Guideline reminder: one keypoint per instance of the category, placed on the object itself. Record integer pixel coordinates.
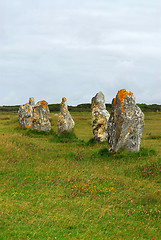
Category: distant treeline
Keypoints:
(85, 107)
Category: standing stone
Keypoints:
(100, 117)
(34, 116)
(65, 121)
(40, 117)
(25, 114)
(126, 123)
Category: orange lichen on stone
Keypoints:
(28, 107)
(122, 94)
(129, 128)
(114, 101)
(64, 99)
(30, 100)
(43, 104)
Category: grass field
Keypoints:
(69, 187)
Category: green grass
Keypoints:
(70, 187)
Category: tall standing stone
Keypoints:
(40, 117)
(100, 117)
(65, 121)
(25, 114)
(126, 123)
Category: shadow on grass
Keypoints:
(153, 137)
(144, 152)
(67, 137)
(93, 142)
(5, 118)
(34, 133)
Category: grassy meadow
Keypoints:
(70, 187)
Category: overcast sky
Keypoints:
(51, 49)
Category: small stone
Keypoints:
(40, 117)
(100, 117)
(126, 123)
(65, 121)
(25, 114)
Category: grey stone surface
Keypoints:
(34, 116)
(25, 114)
(65, 121)
(126, 123)
(100, 117)
(40, 117)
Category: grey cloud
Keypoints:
(51, 49)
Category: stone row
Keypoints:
(122, 128)
(37, 116)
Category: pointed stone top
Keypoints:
(99, 101)
(99, 95)
(64, 99)
(121, 95)
(31, 101)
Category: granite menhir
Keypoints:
(34, 116)
(40, 117)
(25, 114)
(65, 121)
(100, 117)
(126, 123)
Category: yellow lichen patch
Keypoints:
(64, 99)
(94, 105)
(122, 94)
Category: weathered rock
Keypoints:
(25, 114)
(100, 117)
(65, 121)
(34, 116)
(40, 117)
(126, 123)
